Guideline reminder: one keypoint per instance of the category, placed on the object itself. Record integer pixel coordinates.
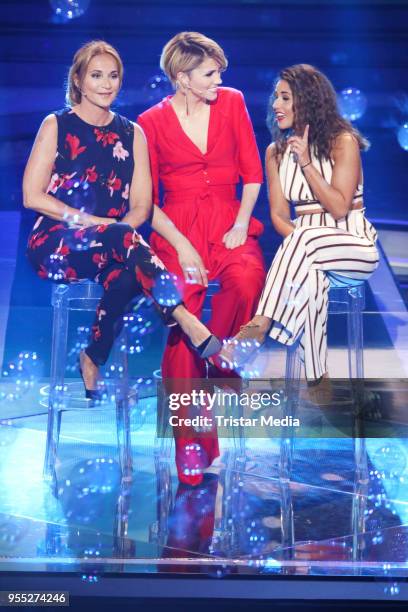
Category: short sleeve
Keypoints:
(150, 134)
(250, 166)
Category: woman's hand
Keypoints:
(299, 146)
(102, 220)
(192, 265)
(236, 236)
(82, 220)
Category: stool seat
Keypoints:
(344, 299)
(82, 296)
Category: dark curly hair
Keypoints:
(314, 103)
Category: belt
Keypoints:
(180, 196)
(318, 211)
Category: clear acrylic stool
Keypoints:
(82, 296)
(350, 301)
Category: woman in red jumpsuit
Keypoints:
(201, 144)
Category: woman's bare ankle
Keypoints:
(263, 322)
(191, 325)
(90, 371)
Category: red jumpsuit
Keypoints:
(200, 198)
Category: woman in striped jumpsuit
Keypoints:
(313, 163)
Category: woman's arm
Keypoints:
(250, 170)
(140, 194)
(189, 258)
(278, 204)
(149, 131)
(37, 176)
(336, 197)
(237, 235)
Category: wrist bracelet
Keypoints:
(308, 164)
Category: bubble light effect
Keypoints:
(65, 10)
(157, 87)
(402, 136)
(165, 291)
(83, 494)
(20, 376)
(352, 103)
(56, 266)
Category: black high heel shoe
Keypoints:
(210, 346)
(95, 395)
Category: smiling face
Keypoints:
(204, 80)
(283, 105)
(101, 82)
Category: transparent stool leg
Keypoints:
(123, 409)
(164, 499)
(164, 436)
(56, 390)
(59, 335)
(355, 345)
(292, 382)
(123, 435)
(360, 452)
(356, 373)
(359, 503)
(53, 433)
(230, 522)
(238, 433)
(122, 546)
(355, 335)
(287, 521)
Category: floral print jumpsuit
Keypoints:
(92, 172)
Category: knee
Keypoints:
(120, 238)
(249, 282)
(120, 234)
(298, 232)
(303, 234)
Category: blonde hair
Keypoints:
(80, 64)
(186, 51)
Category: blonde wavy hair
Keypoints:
(185, 52)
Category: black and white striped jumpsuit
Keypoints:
(320, 252)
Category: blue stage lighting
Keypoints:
(402, 136)
(65, 10)
(352, 103)
(157, 87)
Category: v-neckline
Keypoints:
(186, 136)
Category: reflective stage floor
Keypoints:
(343, 512)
